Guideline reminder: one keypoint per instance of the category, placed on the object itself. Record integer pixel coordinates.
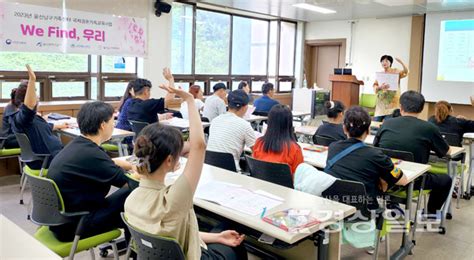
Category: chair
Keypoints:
(323, 140)
(440, 166)
(344, 191)
(221, 160)
(368, 101)
(27, 155)
(49, 210)
(277, 173)
(148, 246)
(137, 127)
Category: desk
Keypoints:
(180, 123)
(469, 137)
(306, 130)
(292, 199)
(117, 136)
(410, 169)
(257, 120)
(15, 243)
(300, 115)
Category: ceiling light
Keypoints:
(314, 8)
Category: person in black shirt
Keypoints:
(333, 128)
(26, 120)
(145, 109)
(85, 173)
(7, 131)
(364, 164)
(408, 133)
(450, 124)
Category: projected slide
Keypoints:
(456, 51)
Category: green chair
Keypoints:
(27, 155)
(110, 147)
(132, 182)
(368, 101)
(149, 246)
(49, 210)
(354, 194)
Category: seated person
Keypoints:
(26, 120)
(143, 108)
(363, 163)
(279, 142)
(266, 102)
(447, 123)
(408, 133)
(333, 127)
(229, 132)
(85, 173)
(122, 120)
(168, 210)
(7, 131)
(244, 85)
(215, 104)
(196, 91)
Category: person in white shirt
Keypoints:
(215, 105)
(229, 132)
(196, 91)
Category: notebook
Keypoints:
(292, 220)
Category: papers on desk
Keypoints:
(176, 122)
(249, 112)
(237, 198)
(391, 79)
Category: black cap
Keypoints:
(218, 86)
(237, 99)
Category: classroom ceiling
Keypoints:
(345, 9)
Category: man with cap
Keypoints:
(143, 108)
(229, 132)
(215, 105)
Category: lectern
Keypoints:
(345, 88)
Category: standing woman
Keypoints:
(387, 100)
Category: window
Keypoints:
(118, 64)
(257, 86)
(115, 89)
(7, 86)
(212, 43)
(182, 38)
(15, 61)
(272, 63)
(210, 46)
(249, 46)
(287, 49)
(285, 86)
(68, 89)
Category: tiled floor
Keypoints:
(458, 243)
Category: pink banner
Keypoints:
(43, 29)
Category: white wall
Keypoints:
(159, 49)
(372, 38)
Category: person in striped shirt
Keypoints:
(229, 132)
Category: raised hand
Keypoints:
(31, 73)
(176, 91)
(167, 74)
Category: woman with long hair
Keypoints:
(279, 142)
(122, 120)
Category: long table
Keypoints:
(15, 243)
(180, 123)
(117, 135)
(292, 199)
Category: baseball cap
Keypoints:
(219, 86)
(237, 99)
